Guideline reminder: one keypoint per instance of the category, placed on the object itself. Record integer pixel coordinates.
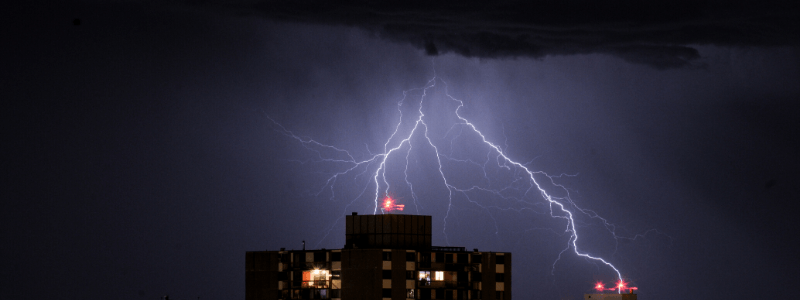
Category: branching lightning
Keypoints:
(401, 142)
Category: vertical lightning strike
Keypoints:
(559, 207)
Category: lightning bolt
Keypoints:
(401, 142)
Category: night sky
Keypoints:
(147, 145)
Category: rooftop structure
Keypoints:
(610, 296)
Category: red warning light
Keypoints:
(599, 286)
(389, 205)
(621, 287)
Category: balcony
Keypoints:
(443, 284)
(311, 284)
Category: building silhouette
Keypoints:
(386, 257)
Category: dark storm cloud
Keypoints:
(662, 34)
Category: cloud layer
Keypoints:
(662, 34)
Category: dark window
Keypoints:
(462, 277)
(477, 258)
(477, 276)
(448, 258)
(336, 256)
(387, 293)
(462, 294)
(299, 257)
(462, 258)
(500, 277)
(387, 274)
(476, 294)
(297, 275)
(319, 294)
(387, 256)
(500, 259)
(410, 275)
(336, 293)
(424, 294)
(282, 276)
(336, 275)
(425, 260)
(425, 257)
(439, 293)
(411, 256)
(319, 256)
(448, 294)
(439, 257)
(498, 295)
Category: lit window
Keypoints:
(410, 293)
(439, 276)
(424, 278)
(316, 278)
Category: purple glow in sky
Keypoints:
(141, 161)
